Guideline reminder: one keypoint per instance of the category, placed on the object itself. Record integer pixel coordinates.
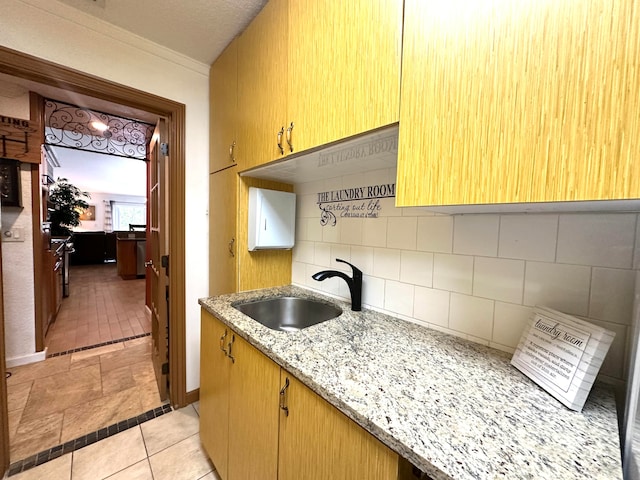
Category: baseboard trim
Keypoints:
(26, 359)
(192, 396)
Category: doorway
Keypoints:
(24, 66)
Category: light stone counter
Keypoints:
(453, 408)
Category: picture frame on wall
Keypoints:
(88, 214)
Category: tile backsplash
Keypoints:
(475, 276)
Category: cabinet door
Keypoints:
(223, 187)
(214, 392)
(344, 68)
(223, 97)
(519, 102)
(253, 414)
(319, 442)
(262, 86)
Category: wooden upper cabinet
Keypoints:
(344, 68)
(319, 442)
(519, 102)
(223, 94)
(223, 201)
(262, 86)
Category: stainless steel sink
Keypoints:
(288, 313)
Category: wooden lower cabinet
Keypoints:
(239, 390)
(248, 436)
(319, 442)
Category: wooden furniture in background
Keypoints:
(519, 102)
(127, 256)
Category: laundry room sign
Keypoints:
(355, 202)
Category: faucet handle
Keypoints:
(356, 270)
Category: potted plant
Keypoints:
(67, 202)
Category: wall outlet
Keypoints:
(16, 234)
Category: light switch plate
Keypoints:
(16, 234)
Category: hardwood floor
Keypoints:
(73, 394)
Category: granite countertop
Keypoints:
(455, 409)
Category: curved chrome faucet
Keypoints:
(354, 283)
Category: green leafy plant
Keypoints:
(67, 202)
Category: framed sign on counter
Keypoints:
(562, 354)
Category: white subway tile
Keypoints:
(331, 233)
(416, 268)
(386, 263)
(471, 315)
(388, 208)
(476, 235)
(314, 229)
(303, 252)
(373, 291)
(435, 234)
(614, 362)
(562, 287)
(301, 230)
(351, 231)
(306, 206)
(401, 232)
(604, 240)
(453, 272)
(398, 297)
(374, 232)
(416, 212)
(508, 323)
(431, 306)
(612, 293)
(529, 237)
(299, 273)
(322, 254)
(499, 279)
(342, 252)
(309, 281)
(362, 257)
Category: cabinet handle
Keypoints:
(231, 247)
(280, 133)
(231, 149)
(224, 335)
(283, 400)
(229, 345)
(289, 141)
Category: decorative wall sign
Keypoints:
(356, 202)
(562, 354)
(19, 140)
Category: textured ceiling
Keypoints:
(199, 29)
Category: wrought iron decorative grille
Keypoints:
(80, 128)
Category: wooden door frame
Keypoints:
(25, 66)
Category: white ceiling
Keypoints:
(199, 29)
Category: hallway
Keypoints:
(98, 371)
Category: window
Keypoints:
(128, 213)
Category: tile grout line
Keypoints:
(86, 440)
(103, 344)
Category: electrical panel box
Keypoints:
(272, 219)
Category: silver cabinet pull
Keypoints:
(149, 263)
(231, 247)
(224, 335)
(229, 345)
(289, 140)
(232, 147)
(280, 133)
(283, 399)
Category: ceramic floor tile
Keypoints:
(17, 395)
(102, 412)
(169, 429)
(213, 475)
(108, 456)
(56, 469)
(149, 396)
(127, 356)
(61, 391)
(117, 380)
(93, 352)
(138, 471)
(35, 435)
(46, 368)
(14, 421)
(183, 461)
(196, 406)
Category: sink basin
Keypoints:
(289, 313)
